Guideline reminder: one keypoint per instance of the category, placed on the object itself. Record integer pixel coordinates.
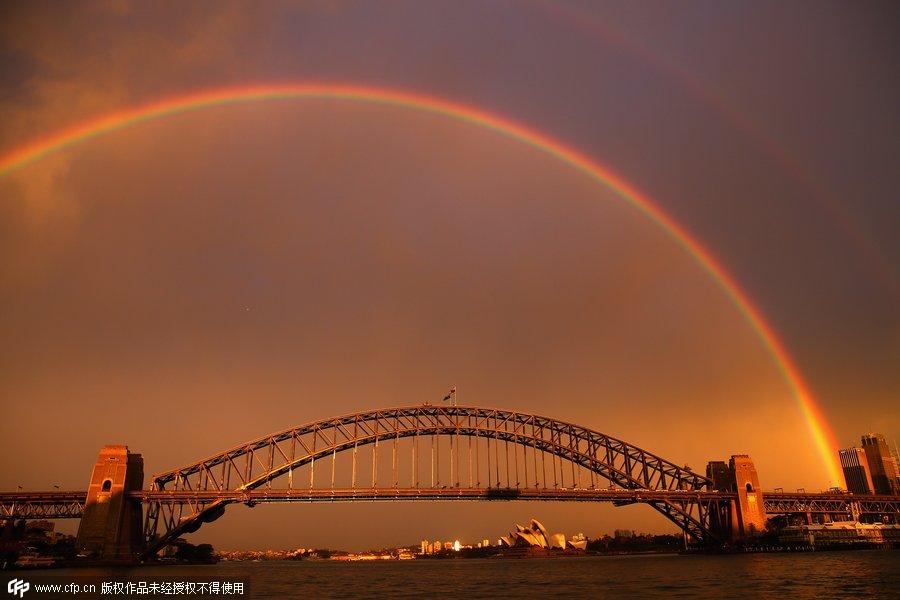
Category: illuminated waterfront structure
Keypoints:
(578, 541)
(842, 534)
(534, 536)
(856, 471)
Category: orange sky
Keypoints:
(188, 284)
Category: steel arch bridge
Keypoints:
(487, 454)
(454, 453)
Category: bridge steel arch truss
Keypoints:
(41, 505)
(199, 492)
(838, 505)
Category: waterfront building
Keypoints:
(882, 465)
(532, 535)
(578, 542)
(533, 540)
(842, 534)
(558, 540)
(856, 471)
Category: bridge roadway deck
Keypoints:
(775, 503)
(448, 493)
(441, 493)
(70, 504)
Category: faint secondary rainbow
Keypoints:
(820, 431)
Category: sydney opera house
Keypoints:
(535, 536)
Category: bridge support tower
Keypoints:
(751, 510)
(112, 526)
(746, 515)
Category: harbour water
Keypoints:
(840, 574)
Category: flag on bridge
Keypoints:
(450, 395)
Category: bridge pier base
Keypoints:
(112, 526)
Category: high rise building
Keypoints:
(856, 471)
(882, 464)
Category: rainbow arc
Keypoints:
(820, 431)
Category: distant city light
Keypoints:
(456, 545)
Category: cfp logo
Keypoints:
(18, 587)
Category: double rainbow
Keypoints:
(819, 429)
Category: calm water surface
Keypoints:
(861, 574)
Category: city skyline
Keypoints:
(184, 283)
